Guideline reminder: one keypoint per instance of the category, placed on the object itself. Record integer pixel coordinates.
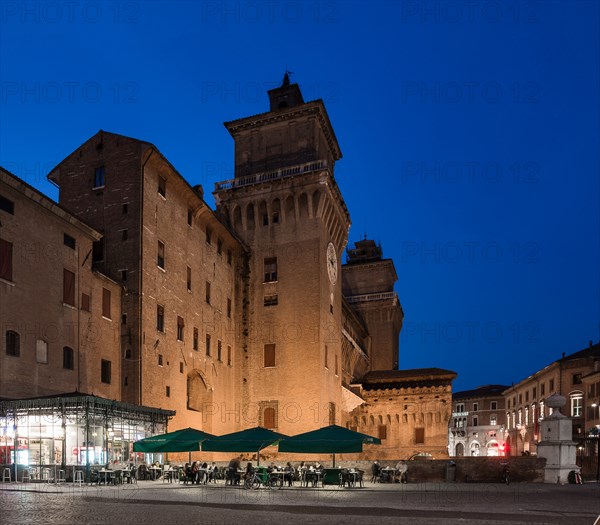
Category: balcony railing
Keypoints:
(372, 297)
(268, 176)
(460, 414)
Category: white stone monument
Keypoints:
(557, 444)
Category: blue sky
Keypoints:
(469, 135)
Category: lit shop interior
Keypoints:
(76, 429)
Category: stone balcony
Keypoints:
(268, 176)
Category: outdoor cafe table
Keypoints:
(353, 477)
(155, 472)
(312, 476)
(280, 474)
(104, 473)
(387, 475)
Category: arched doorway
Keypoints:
(459, 450)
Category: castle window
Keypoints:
(219, 246)
(160, 360)
(208, 236)
(268, 412)
(332, 413)
(269, 356)
(228, 308)
(270, 300)
(123, 275)
(168, 391)
(208, 345)
(190, 216)
(7, 205)
(326, 356)
(180, 367)
(6, 260)
(195, 341)
(229, 257)
(99, 177)
(207, 292)
(68, 361)
(219, 351)
(494, 405)
(189, 279)
(105, 371)
(160, 259)
(162, 187)
(69, 241)
(382, 432)
(106, 303)
(124, 209)
(419, 436)
(160, 318)
(228, 355)
(270, 264)
(85, 302)
(68, 287)
(180, 326)
(98, 251)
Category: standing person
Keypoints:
(232, 471)
(249, 471)
(196, 473)
(375, 471)
(289, 474)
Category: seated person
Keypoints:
(401, 472)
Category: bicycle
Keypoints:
(254, 480)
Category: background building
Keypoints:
(59, 317)
(478, 425)
(525, 407)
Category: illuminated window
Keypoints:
(576, 404)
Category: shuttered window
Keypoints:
(269, 355)
(6, 262)
(106, 303)
(68, 287)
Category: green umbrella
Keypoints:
(249, 440)
(327, 440)
(184, 440)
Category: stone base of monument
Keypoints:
(557, 444)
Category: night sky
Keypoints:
(469, 133)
